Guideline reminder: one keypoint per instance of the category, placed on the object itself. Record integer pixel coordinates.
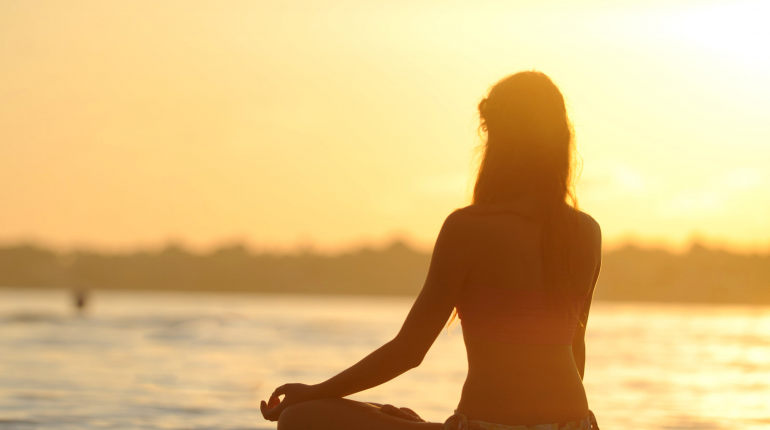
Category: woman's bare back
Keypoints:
(519, 383)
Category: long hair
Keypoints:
(528, 152)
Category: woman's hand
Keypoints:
(293, 394)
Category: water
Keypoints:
(203, 361)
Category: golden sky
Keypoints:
(336, 122)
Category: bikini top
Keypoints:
(522, 317)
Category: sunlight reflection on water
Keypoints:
(172, 361)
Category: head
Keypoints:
(528, 149)
(528, 153)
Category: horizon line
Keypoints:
(309, 247)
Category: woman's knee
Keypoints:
(322, 414)
(294, 417)
(305, 415)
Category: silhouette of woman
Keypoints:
(518, 266)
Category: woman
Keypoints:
(518, 267)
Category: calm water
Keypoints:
(203, 361)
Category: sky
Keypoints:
(333, 124)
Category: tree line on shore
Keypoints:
(628, 273)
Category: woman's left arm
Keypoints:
(579, 340)
(450, 264)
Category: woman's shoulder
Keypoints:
(461, 218)
(589, 223)
(474, 215)
(462, 225)
(590, 230)
(478, 223)
(525, 208)
(586, 219)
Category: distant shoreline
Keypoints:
(629, 273)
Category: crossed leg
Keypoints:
(344, 414)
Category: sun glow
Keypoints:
(272, 122)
